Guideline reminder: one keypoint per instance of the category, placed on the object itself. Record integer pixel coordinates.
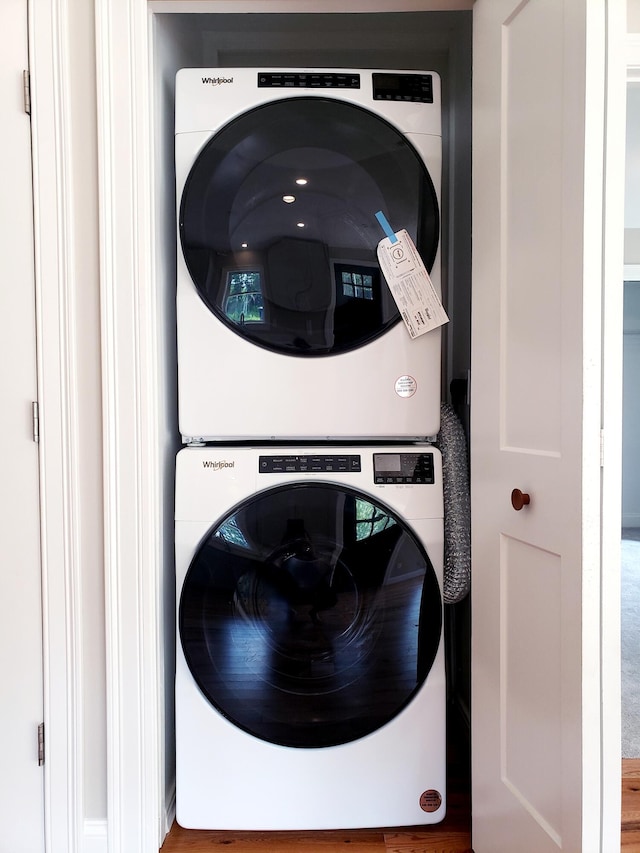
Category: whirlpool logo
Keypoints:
(216, 81)
(217, 466)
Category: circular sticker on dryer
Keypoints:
(406, 386)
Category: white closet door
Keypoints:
(540, 105)
(21, 780)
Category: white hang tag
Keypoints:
(412, 289)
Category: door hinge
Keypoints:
(602, 448)
(26, 88)
(40, 744)
(35, 419)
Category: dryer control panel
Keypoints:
(303, 80)
(402, 468)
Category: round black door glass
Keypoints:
(310, 616)
(278, 227)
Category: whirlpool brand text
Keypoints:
(209, 463)
(216, 81)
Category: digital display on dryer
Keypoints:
(403, 87)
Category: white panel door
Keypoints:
(539, 106)
(21, 779)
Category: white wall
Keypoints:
(632, 194)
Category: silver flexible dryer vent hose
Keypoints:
(457, 511)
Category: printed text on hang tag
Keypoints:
(412, 289)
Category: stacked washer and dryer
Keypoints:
(310, 682)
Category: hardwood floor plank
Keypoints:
(439, 841)
(630, 835)
(205, 841)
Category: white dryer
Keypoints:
(310, 681)
(286, 327)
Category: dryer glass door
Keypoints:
(278, 228)
(310, 615)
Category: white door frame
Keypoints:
(58, 397)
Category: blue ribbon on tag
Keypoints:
(384, 224)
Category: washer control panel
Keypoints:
(401, 468)
(310, 464)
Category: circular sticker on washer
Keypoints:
(430, 801)
(406, 386)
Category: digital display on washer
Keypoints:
(400, 468)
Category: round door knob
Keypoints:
(519, 499)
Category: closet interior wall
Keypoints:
(438, 41)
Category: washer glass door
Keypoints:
(278, 229)
(310, 615)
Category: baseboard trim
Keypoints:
(95, 837)
(169, 809)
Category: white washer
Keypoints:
(286, 327)
(310, 682)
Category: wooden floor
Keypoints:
(453, 835)
(631, 805)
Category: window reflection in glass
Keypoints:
(229, 532)
(244, 301)
(370, 519)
